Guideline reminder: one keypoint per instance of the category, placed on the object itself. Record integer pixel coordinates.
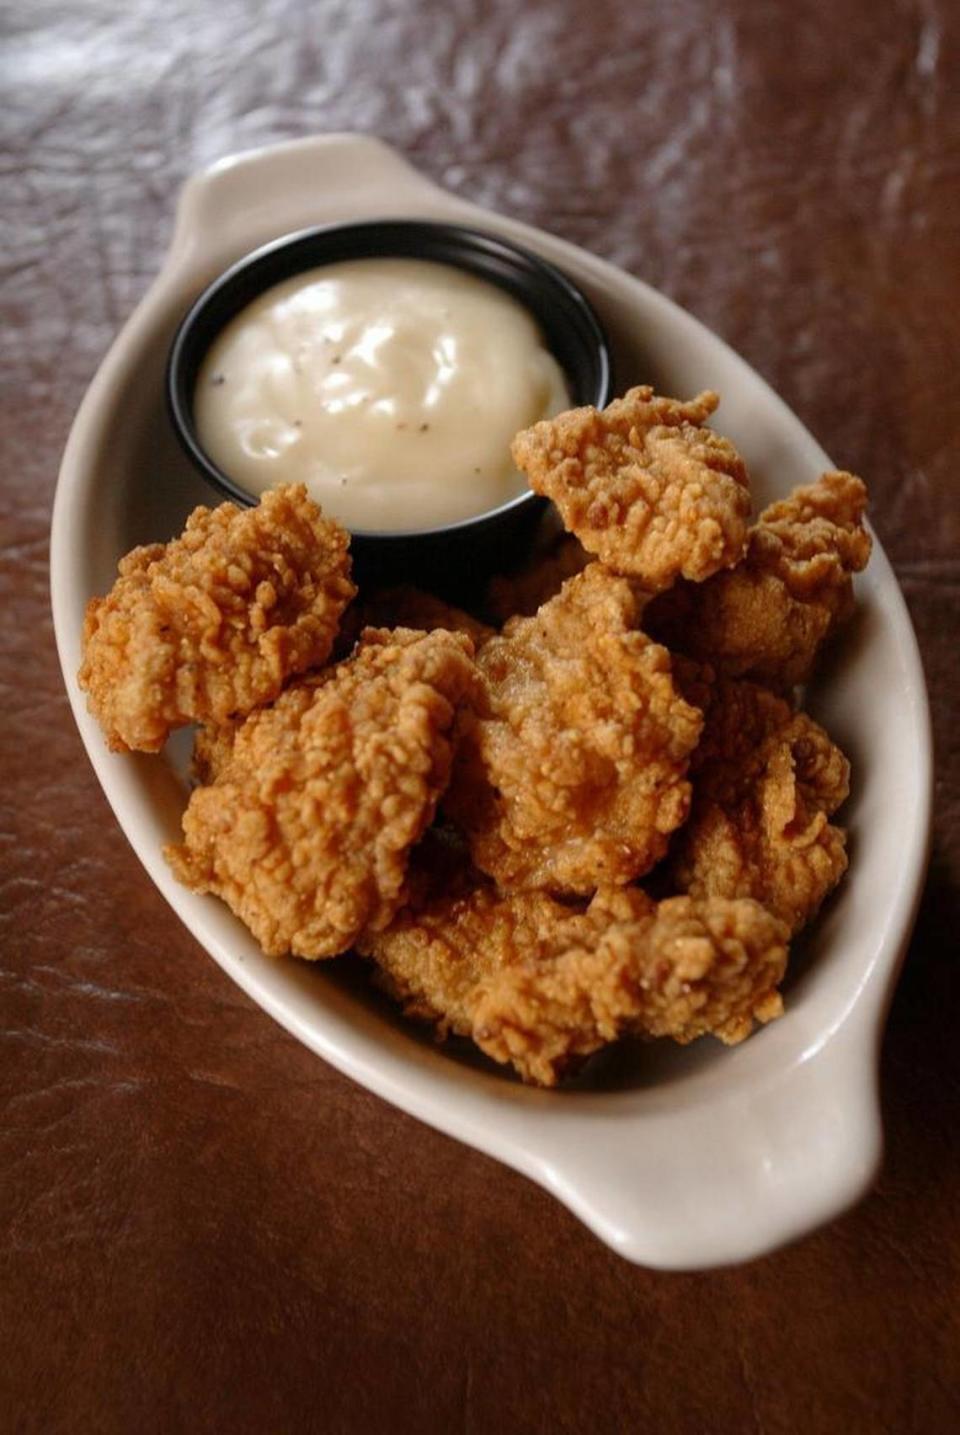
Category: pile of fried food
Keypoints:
(592, 809)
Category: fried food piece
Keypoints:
(570, 767)
(520, 594)
(438, 950)
(688, 969)
(542, 985)
(767, 618)
(766, 780)
(643, 485)
(409, 607)
(306, 831)
(212, 624)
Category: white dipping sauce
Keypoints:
(390, 387)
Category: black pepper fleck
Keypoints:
(218, 379)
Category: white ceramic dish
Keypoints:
(676, 1158)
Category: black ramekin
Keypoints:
(453, 557)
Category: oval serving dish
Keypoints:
(678, 1158)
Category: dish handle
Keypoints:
(252, 197)
(716, 1184)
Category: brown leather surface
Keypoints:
(202, 1225)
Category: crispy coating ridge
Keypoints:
(570, 768)
(439, 949)
(211, 625)
(688, 969)
(541, 985)
(306, 830)
(767, 618)
(766, 780)
(643, 485)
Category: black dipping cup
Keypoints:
(454, 559)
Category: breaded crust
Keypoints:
(541, 985)
(441, 947)
(690, 968)
(209, 626)
(766, 781)
(570, 769)
(643, 485)
(767, 618)
(306, 830)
